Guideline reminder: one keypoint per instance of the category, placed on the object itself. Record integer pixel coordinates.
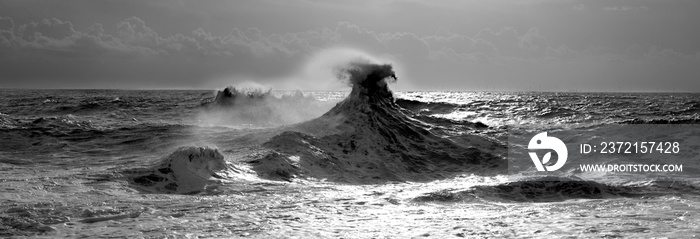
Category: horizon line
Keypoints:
(472, 90)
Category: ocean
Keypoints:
(365, 163)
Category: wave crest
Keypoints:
(367, 79)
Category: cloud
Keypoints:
(506, 39)
(563, 53)
(667, 56)
(407, 45)
(505, 42)
(66, 57)
(654, 55)
(635, 52)
(134, 37)
(7, 26)
(534, 43)
(355, 36)
(54, 53)
(448, 41)
(625, 8)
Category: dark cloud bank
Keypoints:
(52, 53)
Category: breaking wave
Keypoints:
(259, 107)
(188, 170)
(368, 138)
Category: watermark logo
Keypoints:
(542, 141)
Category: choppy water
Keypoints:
(90, 163)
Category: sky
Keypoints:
(549, 45)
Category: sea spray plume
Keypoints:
(259, 107)
(367, 138)
(250, 103)
(320, 68)
(230, 95)
(367, 79)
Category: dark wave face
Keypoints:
(432, 107)
(554, 189)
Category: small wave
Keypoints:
(7, 122)
(661, 121)
(427, 107)
(50, 126)
(188, 170)
(47, 139)
(82, 107)
(556, 112)
(450, 122)
(555, 189)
